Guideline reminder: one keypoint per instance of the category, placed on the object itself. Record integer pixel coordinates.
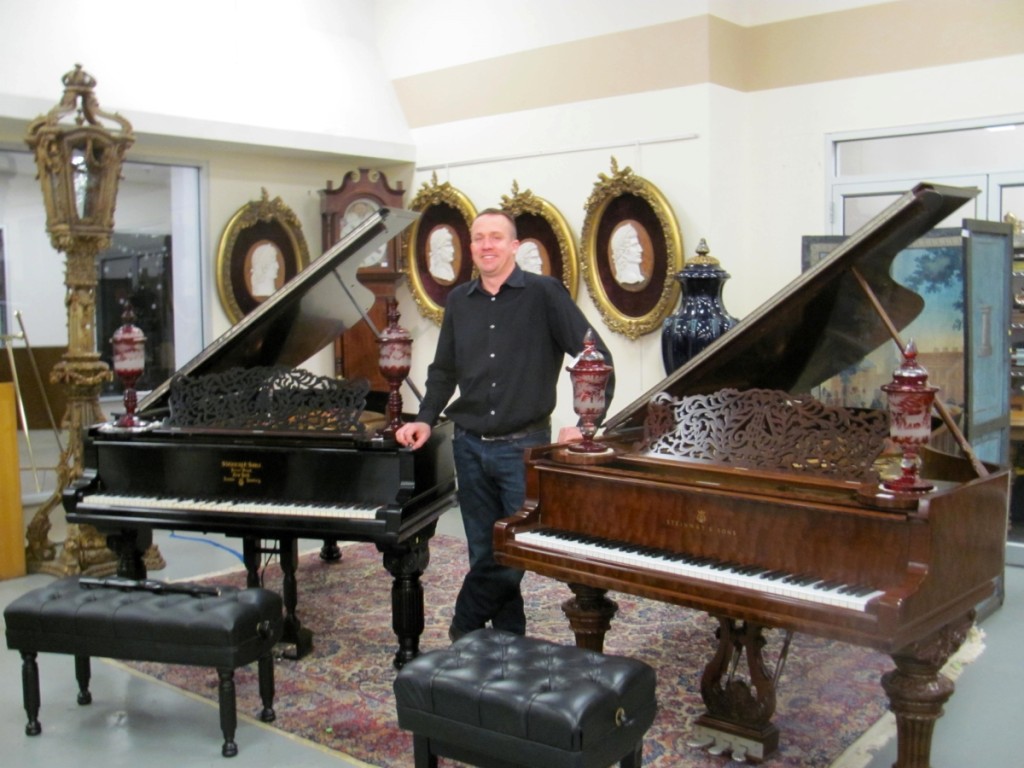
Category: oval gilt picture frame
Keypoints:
(632, 252)
(546, 244)
(261, 249)
(437, 248)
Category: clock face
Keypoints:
(355, 213)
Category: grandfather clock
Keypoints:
(362, 192)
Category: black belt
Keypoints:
(529, 429)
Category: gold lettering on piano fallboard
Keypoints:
(241, 473)
(700, 525)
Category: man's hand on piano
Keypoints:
(413, 434)
(569, 435)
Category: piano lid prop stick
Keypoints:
(376, 333)
(965, 446)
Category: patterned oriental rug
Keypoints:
(340, 695)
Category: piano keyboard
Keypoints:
(236, 506)
(797, 586)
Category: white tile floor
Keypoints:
(134, 722)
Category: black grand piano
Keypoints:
(731, 490)
(241, 441)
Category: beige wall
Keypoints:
(858, 42)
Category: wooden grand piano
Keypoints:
(732, 491)
(242, 442)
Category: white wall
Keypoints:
(298, 74)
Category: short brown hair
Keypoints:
(504, 214)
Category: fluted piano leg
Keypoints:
(917, 691)
(407, 564)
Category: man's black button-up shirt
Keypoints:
(504, 353)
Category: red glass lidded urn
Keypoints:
(589, 374)
(910, 419)
(129, 345)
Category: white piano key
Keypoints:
(237, 506)
(817, 591)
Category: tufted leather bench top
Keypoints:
(226, 630)
(525, 701)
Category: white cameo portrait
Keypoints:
(627, 254)
(441, 254)
(264, 267)
(529, 257)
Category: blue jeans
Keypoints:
(492, 485)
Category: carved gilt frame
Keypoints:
(540, 223)
(445, 214)
(258, 229)
(633, 302)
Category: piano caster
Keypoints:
(330, 552)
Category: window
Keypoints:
(869, 170)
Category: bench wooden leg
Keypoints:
(422, 755)
(634, 759)
(30, 692)
(228, 715)
(83, 674)
(266, 667)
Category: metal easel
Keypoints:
(8, 342)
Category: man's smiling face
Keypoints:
(493, 247)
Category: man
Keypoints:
(503, 341)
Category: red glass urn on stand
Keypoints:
(129, 343)
(589, 374)
(910, 419)
(395, 360)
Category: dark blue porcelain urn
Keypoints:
(701, 317)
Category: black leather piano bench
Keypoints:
(498, 700)
(148, 620)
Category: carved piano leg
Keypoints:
(917, 691)
(406, 564)
(288, 551)
(739, 711)
(130, 546)
(590, 615)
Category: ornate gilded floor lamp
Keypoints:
(79, 164)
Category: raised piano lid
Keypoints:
(822, 322)
(306, 314)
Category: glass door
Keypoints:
(1007, 204)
